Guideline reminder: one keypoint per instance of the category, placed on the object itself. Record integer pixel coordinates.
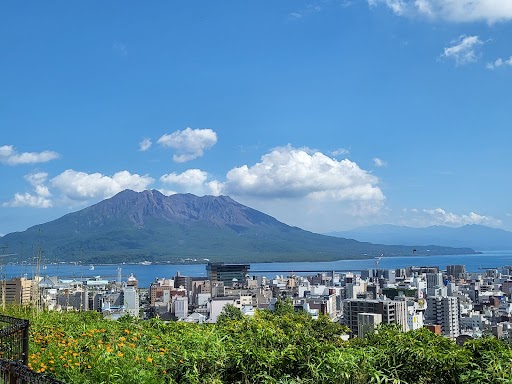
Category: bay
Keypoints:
(148, 273)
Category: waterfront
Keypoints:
(147, 273)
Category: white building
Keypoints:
(217, 304)
(445, 312)
(180, 307)
(131, 301)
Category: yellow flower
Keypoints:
(150, 360)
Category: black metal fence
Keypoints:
(14, 354)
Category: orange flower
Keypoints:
(150, 360)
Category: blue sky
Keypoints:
(327, 115)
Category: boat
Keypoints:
(91, 268)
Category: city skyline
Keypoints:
(327, 115)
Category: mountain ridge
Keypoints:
(137, 226)
(476, 236)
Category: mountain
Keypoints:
(478, 237)
(136, 226)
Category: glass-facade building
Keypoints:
(227, 273)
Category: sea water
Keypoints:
(148, 273)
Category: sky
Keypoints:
(327, 115)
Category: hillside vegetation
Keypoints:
(273, 347)
(137, 226)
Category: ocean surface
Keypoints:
(148, 273)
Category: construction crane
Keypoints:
(377, 260)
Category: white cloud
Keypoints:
(463, 50)
(145, 144)
(41, 199)
(192, 181)
(9, 155)
(189, 143)
(379, 162)
(288, 172)
(84, 186)
(215, 187)
(36, 179)
(499, 62)
(340, 152)
(490, 11)
(441, 217)
(167, 192)
(189, 178)
(28, 200)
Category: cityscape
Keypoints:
(453, 303)
(265, 192)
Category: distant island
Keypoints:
(149, 226)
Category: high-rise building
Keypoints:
(457, 271)
(434, 280)
(392, 312)
(227, 273)
(444, 311)
(18, 290)
(131, 301)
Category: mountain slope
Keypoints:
(134, 226)
(478, 237)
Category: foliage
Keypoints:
(282, 346)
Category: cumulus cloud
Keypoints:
(192, 181)
(82, 186)
(463, 50)
(10, 156)
(189, 178)
(499, 62)
(36, 178)
(490, 11)
(439, 216)
(289, 172)
(189, 143)
(167, 192)
(41, 198)
(28, 200)
(145, 144)
(379, 162)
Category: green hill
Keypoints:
(132, 227)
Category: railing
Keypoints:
(14, 354)
(14, 339)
